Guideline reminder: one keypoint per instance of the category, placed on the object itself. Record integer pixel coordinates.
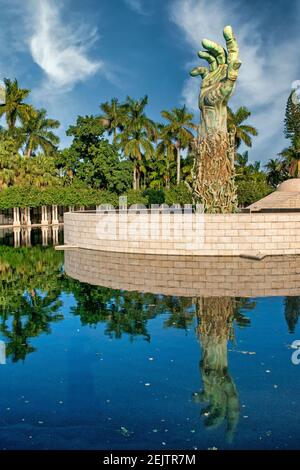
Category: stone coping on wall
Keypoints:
(186, 276)
(186, 234)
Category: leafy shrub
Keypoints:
(251, 191)
(178, 195)
(155, 196)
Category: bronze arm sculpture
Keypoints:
(214, 167)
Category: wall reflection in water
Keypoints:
(31, 236)
(187, 276)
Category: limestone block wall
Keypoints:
(186, 276)
(186, 234)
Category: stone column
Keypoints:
(26, 236)
(44, 220)
(71, 208)
(27, 216)
(44, 236)
(17, 237)
(16, 222)
(81, 208)
(55, 235)
(54, 215)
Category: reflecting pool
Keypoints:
(107, 351)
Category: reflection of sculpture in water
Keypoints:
(215, 327)
(292, 312)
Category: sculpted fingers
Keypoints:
(233, 53)
(232, 45)
(203, 71)
(213, 65)
(216, 50)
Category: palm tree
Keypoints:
(276, 171)
(138, 134)
(179, 129)
(242, 132)
(37, 132)
(114, 117)
(292, 157)
(166, 150)
(14, 107)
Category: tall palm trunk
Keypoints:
(168, 175)
(138, 179)
(135, 178)
(29, 151)
(178, 164)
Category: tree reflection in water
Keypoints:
(30, 292)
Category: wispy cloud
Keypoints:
(265, 79)
(137, 6)
(60, 49)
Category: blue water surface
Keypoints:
(93, 368)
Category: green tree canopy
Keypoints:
(37, 132)
(14, 107)
(178, 130)
(92, 159)
(236, 123)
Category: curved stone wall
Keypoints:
(185, 234)
(186, 275)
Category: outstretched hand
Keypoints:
(219, 79)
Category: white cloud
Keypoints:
(265, 78)
(60, 49)
(136, 5)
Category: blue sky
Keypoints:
(74, 55)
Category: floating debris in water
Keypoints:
(40, 422)
(268, 371)
(163, 443)
(245, 416)
(125, 432)
(250, 353)
(147, 384)
(154, 430)
(150, 358)
(275, 386)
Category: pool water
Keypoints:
(90, 367)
